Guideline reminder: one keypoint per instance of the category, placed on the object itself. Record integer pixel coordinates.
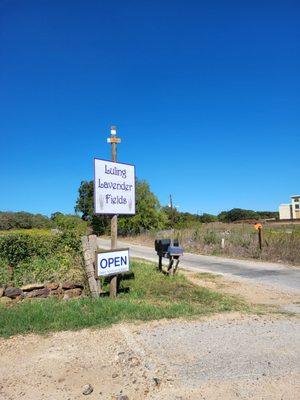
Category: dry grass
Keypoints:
(281, 243)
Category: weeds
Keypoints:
(280, 243)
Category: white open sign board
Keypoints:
(114, 187)
(112, 262)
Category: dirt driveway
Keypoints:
(223, 357)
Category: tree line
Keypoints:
(150, 215)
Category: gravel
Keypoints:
(248, 348)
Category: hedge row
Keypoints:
(27, 258)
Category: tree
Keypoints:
(206, 218)
(174, 217)
(85, 200)
(85, 205)
(149, 214)
(22, 220)
(237, 214)
(268, 214)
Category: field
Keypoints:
(151, 295)
(280, 243)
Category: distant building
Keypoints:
(292, 210)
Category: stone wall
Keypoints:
(64, 291)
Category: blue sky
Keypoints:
(205, 94)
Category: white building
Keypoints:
(292, 210)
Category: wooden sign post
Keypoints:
(258, 227)
(114, 194)
(114, 220)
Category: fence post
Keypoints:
(89, 256)
(223, 243)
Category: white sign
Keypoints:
(112, 262)
(114, 187)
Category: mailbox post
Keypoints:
(168, 248)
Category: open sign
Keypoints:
(112, 262)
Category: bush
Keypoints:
(40, 257)
(69, 222)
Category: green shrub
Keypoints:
(39, 258)
(69, 222)
(62, 266)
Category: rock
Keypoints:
(87, 389)
(157, 381)
(114, 375)
(121, 397)
(52, 286)
(73, 293)
(12, 292)
(1, 291)
(5, 300)
(41, 293)
(32, 286)
(57, 292)
(134, 361)
(68, 285)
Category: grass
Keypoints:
(151, 296)
(207, 276)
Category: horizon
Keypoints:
(162, 205)
(205, 98)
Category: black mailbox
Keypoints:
(169, 249)
(162, 246)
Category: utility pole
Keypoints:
(172, 221)
(113, 140)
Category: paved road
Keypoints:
(276, 275)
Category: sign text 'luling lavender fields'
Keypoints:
(114, 185)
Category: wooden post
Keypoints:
(260, 237)
(114, 232)
(223, 243)
(93, 248)
(89, 256)
(170, 267)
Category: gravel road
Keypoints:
(248, 358)
(223, 357)
(278, 276)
